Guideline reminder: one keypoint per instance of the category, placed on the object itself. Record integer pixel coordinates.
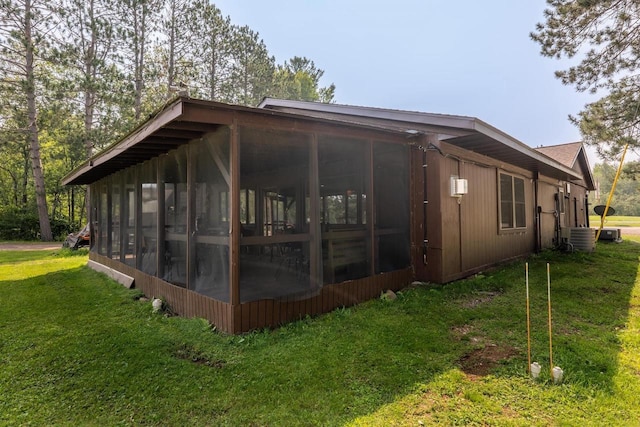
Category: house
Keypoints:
(570, 208)
(252, 217)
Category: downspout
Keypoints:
(586, 210)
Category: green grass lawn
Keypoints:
(78, 349)
(615, 221)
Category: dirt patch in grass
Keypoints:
(467, 332)
(462, 330)
(482, 361)
(479, 298)
(185, 352)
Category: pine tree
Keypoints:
(22, 31)
(175, 52)
(606, 35)
(252, 68)
(88, 53)
(138, 20)
(213, 39)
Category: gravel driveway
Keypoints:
(29, 246)
(628, 231)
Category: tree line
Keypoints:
(77, 74)
(626, 197)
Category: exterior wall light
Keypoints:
(459, 186)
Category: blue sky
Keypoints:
(463, 57)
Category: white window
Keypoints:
(512, 202)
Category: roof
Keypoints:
(572, 155)
(465, 132)
(566, 154)
(184, 119)
(178, 122)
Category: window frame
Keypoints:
(518, 205)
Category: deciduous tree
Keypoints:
(299, 79)
(626, 199)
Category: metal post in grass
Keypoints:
(550, 335)
(526, 280)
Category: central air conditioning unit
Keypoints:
(579, 238)
(610, 234)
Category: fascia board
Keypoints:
(169, 114)
(514, 144)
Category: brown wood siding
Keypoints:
(434, 218)
(451, 226)
(578, 211)
(483, 243)
(278, 312)
(471, 239)
(262, 313)
(181, 301)
(479, 210)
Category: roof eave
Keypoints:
(444, 120)
(167, 115)
(521, 147)
(470, 124)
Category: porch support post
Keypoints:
(371, 229)
(109, 185)
(124, 240)
(191, 213)
(138, 207)
(234, 230)
(160, 177)
(315, 243)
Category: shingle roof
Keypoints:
(563, 153)
(568, 155)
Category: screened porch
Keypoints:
(249, 213)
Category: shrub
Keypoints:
(20, 224)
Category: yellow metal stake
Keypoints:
(613, 187)
(549, 305)
(526, 275)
